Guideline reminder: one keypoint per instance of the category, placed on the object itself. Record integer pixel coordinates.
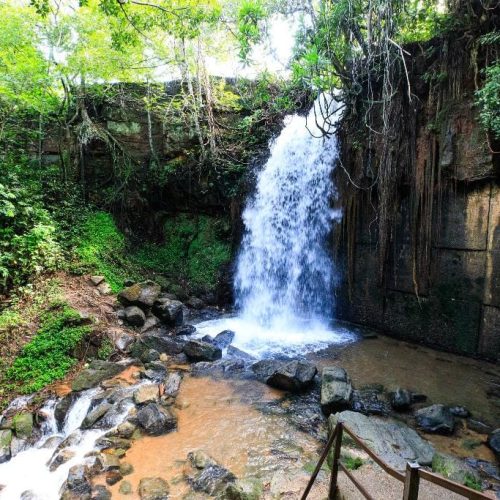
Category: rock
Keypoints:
(154, 340)
(169, 311)
(149, 355)
(455, 469)
(151, 322)
(172, 384)
(459, 411)
(143, 294)
(95, 374)
(17, 445)
(478, 426)
(200, 460)
(112, 442)
(135, 316)
(336, 390)
(418, 398)
(22, 424)
(77, 485)
(108, 462)
(125, 488)
(62, 408)
(401, 399)
(224, 339)
(153, 488)
(243, 489)
(196, 350)
(60, 458)
(238, 353)
(5, 440)
(494, 442)
(156, 420)
(125, 430)
(294, 376)
(96, 280)
(95, 415)
(209, 477)
(113, 476)
(435, 418)
(195, 303)
(126, 469)
(393, 441)
(104, 288)
(123, 341)
(368, 402)
(184, 330)
(146, 394)
(100, 492)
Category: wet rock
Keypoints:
(124, 341)
(195, 303)
(143, 294)
(155, 340)
(224, 339)
(169, 311)
(17, 445)
(393, 441)
(95, 415)
(294, 376)
(112, 442)
(478, 426)
(151, 322)
(455, 469)
(125, 430)
(494, 442)
(243, 489)
(150, 355)
(336, 390)
(77, 485)
(96, 280)
(108, 462)
(459, 411)
(146, 394)
(125, 488)
(126, 469)
(436, 419)
(184, 330)
(209, 476)
(113, 476)
(100, 492)
(156, 420)
(5, 440)
(238, 353)
(172, 384)
(52, 442)
(369, 402)
(153, 488)
(22, 425)
(401, 399)
(135, 316)
(197, 350)
(60, 458)
(95, 374)
(200, 460)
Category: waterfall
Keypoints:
(285, 273)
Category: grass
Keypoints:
(350, 462)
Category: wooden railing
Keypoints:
(411, 478)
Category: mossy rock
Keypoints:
(23, 425)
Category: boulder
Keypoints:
(224, 339)
(113, 476)
(149, 355)
(77, 485)
(59, 458)
(336, 390)
(5, 440)
(436, 419)
(197, 350)
(143, 294)
(183, 330)
(126, 468)
(135, 316)
(95, 414)
(153, 488)
(104, 288)
(401, 399)
(156, 420)
(146, 393)
(22, 425)
(96, 280)
(195, 303)
(151, 322)
(172, 384)
(162, 344)
(95, 374)
(125, 488)
(123, 341)
(62, 407)
(209, 476)
(243, 489)
(294, 376)
(108, 462)
(238, 353)
(369, 402)
(169, 311)
(100, 492)
(393, 441)
(494, 442)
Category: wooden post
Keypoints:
(335, 463)
(412, 481)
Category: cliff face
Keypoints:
(432, 274)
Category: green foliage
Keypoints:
(350, 462)
(101, 248)
(49, 355)
(249, 32)
(488, 100)
(472, 482)
(105, 349)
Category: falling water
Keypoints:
(285, 273)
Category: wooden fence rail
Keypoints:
(410, 480)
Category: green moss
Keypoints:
(105, 349)
(472, 482)
(350, 462)
(49, 355)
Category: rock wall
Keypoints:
(452, 301)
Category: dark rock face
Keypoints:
(197, 350)
(62, 408)
(77, 486)
(224, 339)
(494, 442)
(156, 420)
(155, 340)
(95, 415)
(169, 311)
(153, 488)
(295, 376)
(135, 316)
(401, 399)
(336, 390)
(436, 418)
(95, 374)
(140, 294)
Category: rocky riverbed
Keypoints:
(178, 414)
